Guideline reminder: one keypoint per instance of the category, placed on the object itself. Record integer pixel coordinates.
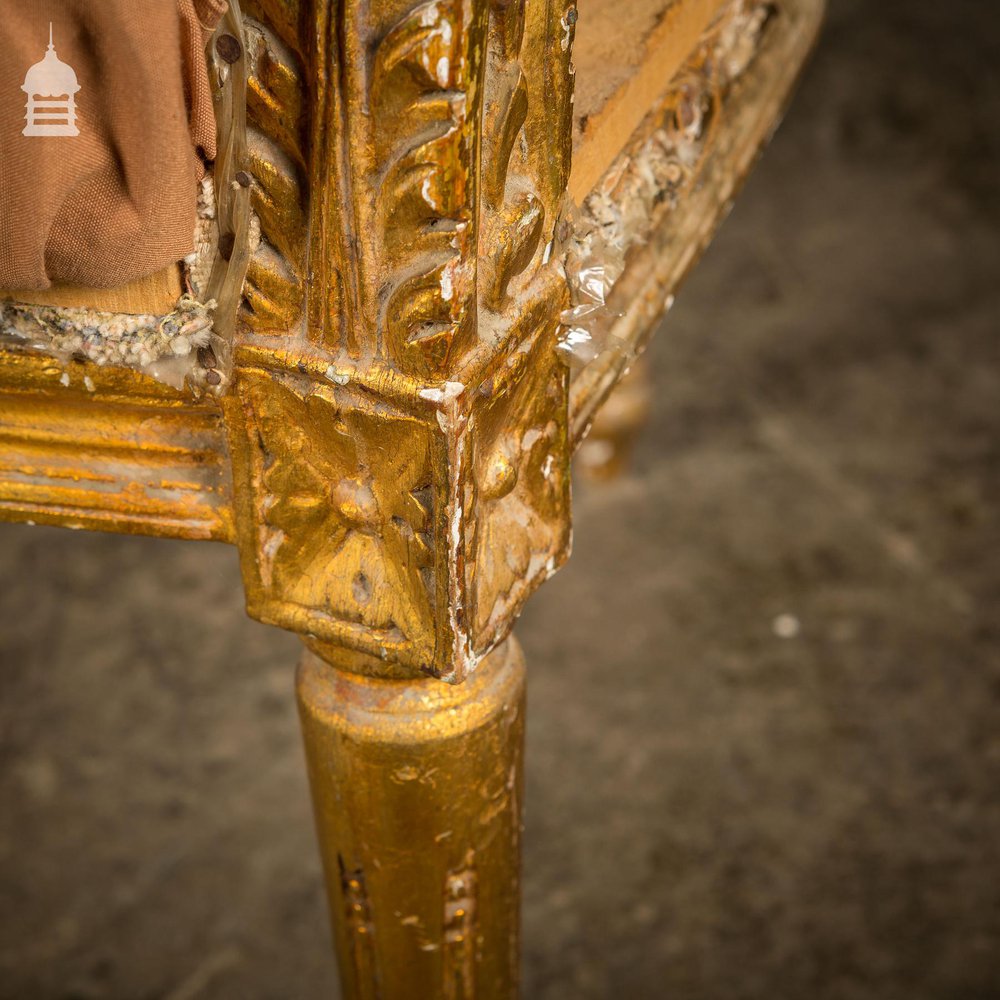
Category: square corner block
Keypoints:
(410, 530)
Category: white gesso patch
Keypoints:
(444, 394)
(443, 66)
(429, 16)
(529, 439)
(447, 286)
(565, 25)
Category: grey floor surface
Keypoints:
(715, 811)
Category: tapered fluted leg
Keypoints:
(417, 791)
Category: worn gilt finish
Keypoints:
(397, 275)
(403, 407)
(700, 144)
(389, 435)
(418, 790)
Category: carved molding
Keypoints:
(401, 458)
(658, 205)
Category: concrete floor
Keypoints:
(714, 812)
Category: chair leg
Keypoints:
(607, 451)
(417, 788)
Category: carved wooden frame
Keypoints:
(406, 259)
(392, 456)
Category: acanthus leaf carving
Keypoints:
(278, 62)
(423, 101)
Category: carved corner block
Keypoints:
(339, 510)
(411, 528)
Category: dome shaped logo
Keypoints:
(51, 86)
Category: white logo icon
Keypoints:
(50, 86)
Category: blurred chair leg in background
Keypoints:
(607, 451)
